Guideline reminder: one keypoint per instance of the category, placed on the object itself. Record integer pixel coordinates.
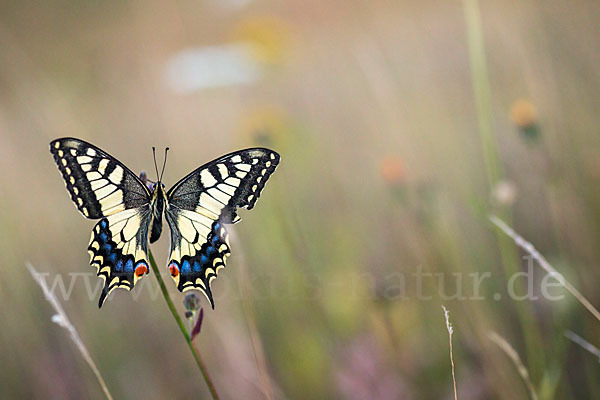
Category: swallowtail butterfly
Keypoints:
(130, 210)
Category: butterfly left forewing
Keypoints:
(99, 185)
(201, 203)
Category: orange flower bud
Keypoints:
(392, 170)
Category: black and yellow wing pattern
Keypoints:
(103, 188)
(199, 206)
(130, 213)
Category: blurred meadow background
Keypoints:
(401, 125)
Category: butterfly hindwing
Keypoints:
(99, 185)
(103, 188)
(119, 249)
(201, 203)
(195, 262)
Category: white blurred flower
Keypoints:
(200, 68)
(504, 193)
(229, 4)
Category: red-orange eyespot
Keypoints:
(174, 269)
(141, 269)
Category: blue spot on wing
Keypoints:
(197, 266)
(194, 266)
(121, 266)
(185, 267)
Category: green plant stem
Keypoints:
(493, 167)
(482, 90)
(186, 335)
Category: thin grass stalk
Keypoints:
(180, 324)
(584, 344)
(546, 266)
(62, 319)
(514, 357)
(450, 331)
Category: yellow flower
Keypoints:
(523, 113)
(269, 37)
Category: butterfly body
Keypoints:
(196, 209)
(157, 206)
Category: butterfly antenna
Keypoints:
(164, 164)
(154, 155)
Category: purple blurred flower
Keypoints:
(198, 324)
(363, 373)
(191, 302)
